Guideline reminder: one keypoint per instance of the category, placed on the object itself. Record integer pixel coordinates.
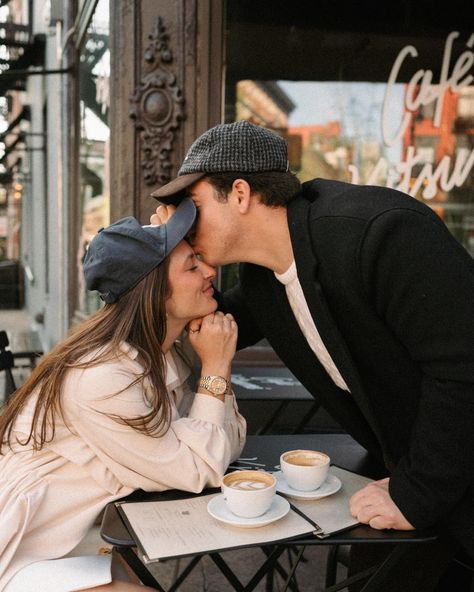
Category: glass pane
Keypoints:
(94, 142)
(358, 102)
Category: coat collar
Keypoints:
(307, 265)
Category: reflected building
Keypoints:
(325, 152)
(444, 151)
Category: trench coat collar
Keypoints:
(307, 265)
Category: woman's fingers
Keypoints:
(163, 214)
(217, 323)
(195, 325)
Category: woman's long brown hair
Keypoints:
(139, 318)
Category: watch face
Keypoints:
(218, 385)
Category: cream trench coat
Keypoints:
(50, 498)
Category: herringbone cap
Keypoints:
(229, 147)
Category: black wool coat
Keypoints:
(392, 295)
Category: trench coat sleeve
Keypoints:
(233, 301)
(421, 282)
(192, 454)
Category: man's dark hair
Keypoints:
(274, 188)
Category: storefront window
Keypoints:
(360, 103)
(94, 142)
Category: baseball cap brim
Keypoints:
(174, 190)
(180, 223)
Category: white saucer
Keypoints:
(218, 509)
(330, 486)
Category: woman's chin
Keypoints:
(212, 305)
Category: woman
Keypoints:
(108, 410)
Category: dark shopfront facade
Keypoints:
(369, 92)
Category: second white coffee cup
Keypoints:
(248, 494)
(304, 470)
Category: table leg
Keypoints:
(362, 575)
(280, 569)
(228, 573)
(137, 566)
(268, 566)
(293, 569)
(184, 574)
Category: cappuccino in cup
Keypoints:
(304, 470)
(248, 494)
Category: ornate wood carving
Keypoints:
(157, 108)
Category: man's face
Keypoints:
(216, 228)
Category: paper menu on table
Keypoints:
(177, 528)
(166, 529)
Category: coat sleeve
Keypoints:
(192, 454)
(421, 282)
(233, 301)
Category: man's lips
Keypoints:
(209, 290)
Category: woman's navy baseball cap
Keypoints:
(122, 254)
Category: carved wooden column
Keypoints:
(164, 92)
(157, 108)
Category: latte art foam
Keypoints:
(247, 485)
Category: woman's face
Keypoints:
(190, 285)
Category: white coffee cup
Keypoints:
(248, 494)
(304, 470)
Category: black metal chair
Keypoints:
(337, 554)
(7, 363)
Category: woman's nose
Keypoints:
(207, 270)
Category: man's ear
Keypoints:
(241, 192)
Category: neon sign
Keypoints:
(421, 91)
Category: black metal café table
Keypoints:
(345, 453)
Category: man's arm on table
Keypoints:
(421, 282)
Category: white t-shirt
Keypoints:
(300, 309)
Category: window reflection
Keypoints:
(94, 142)
(373, 133)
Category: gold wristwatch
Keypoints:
(216, 385)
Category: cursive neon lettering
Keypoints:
(421, 90)
(427, 178)
(408, 50)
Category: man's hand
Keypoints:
(373, 505)
(162, 215)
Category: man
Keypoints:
(368, 300)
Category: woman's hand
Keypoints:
(162, 215)
(214, 339)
